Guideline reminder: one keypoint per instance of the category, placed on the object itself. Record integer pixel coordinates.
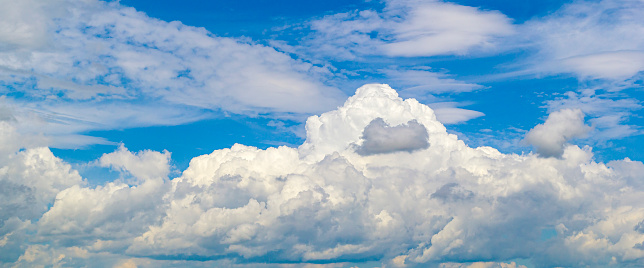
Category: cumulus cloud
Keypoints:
(609, 112)
(30, 179)
(380, 138)
(561, 126)
(408, 29)
(143, 165)
(447, 205)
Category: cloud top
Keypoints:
(561, 126)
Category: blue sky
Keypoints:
(116, 101)
(508, 94)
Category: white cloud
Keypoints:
(29, 181)
(447, 114)
(609, 112)
(439, 28)
(483, 265)
(416, 83)
(408, 29)
(591, 39)
(448, 204)
(143, 165)
(25, 23)
(550, 138)
(79, 58)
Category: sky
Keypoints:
(253, 133)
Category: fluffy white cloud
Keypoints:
(143, 165)
(445, 204)
(74, 60)
(408, 28)
(561, 126)
(610, 112)
(591, 39)
(30, 179)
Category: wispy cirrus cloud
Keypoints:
(76, 59)
(406, 28)
(590, 39)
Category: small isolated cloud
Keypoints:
(447, 114)
(561, 126)
(380, 138)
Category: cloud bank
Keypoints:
(444, 205)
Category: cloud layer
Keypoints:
(77, 66)
(591, 39)
(326, 202)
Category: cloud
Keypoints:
(561, 126)
(380, 138)
(416, 83)
(483, 265)
(30, 179)
(590, 39)
(447, 114)
(447, 204)
(143, 165)
(407, 29)
(78, 59)
(439, 28)
(609, 112)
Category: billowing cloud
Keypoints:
(143, 165)
(30, 179)
(446, 205)
(561, 126)
(610, 113)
